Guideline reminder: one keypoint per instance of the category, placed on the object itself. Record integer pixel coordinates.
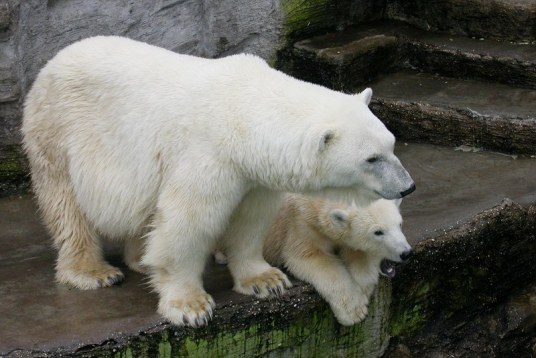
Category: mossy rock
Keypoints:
(301, 324)
(465, 271)
(14, 171)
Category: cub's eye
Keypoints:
(372, 159)
(378, 233)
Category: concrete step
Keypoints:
(455, 220)
(502, 19)
(343, 60)
(420, 107)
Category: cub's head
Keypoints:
(356, 149)
(375, 229)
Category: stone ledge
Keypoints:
(503, 19)
(462, 276)
(448, 111)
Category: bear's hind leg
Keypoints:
(243, 243)
(133, 253)
(80, 260)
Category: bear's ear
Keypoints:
(365, 95)
(339, 218)
(326, 138)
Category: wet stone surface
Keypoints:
(40, 315)
(421, 107)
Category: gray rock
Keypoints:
(33, 31)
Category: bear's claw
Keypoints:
(195, 310)
(271, 283)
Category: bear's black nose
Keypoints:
(408, 191)
(406, 255)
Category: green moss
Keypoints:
(303, 17)
(313, 333)
(410, 309)
(164, 347)
(14, 171)
(408, 321)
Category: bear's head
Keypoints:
(356, 149)
(375, 229)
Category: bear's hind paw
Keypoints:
(271, 283)
(90, 278)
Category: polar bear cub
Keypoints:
(341, 250)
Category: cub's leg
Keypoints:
(243, 244)
(331, 279)
(80, 259)
(190, 215)
(133, 253)
(363, 270)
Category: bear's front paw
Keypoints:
(193, 310)
(271, 283)
(351, 311)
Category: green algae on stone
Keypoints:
(409, 313)
(14, 172)
(311, 332)
(302, 17)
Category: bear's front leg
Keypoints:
(188, 219)
(363, 269)
(243, 243)
(329, 276)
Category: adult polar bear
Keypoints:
(127, 140)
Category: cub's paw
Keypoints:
(90, 277)
(350, 312)
(194, 310)
(271, 283)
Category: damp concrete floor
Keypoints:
(37, 314)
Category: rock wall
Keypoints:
(35, 30)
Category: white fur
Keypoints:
(307, 234)
(127, 140)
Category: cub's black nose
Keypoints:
(408, 191)
(406, 255)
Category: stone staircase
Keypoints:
(437, 88)
(462, 76)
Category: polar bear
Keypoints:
(168, 152)
(340, 249)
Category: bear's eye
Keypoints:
(328, 138)
(378, 233)
(372, 159)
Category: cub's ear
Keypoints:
(398, 202)
(339, 218)
(365, 95)
(326, 138)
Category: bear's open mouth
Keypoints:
(387, 268)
